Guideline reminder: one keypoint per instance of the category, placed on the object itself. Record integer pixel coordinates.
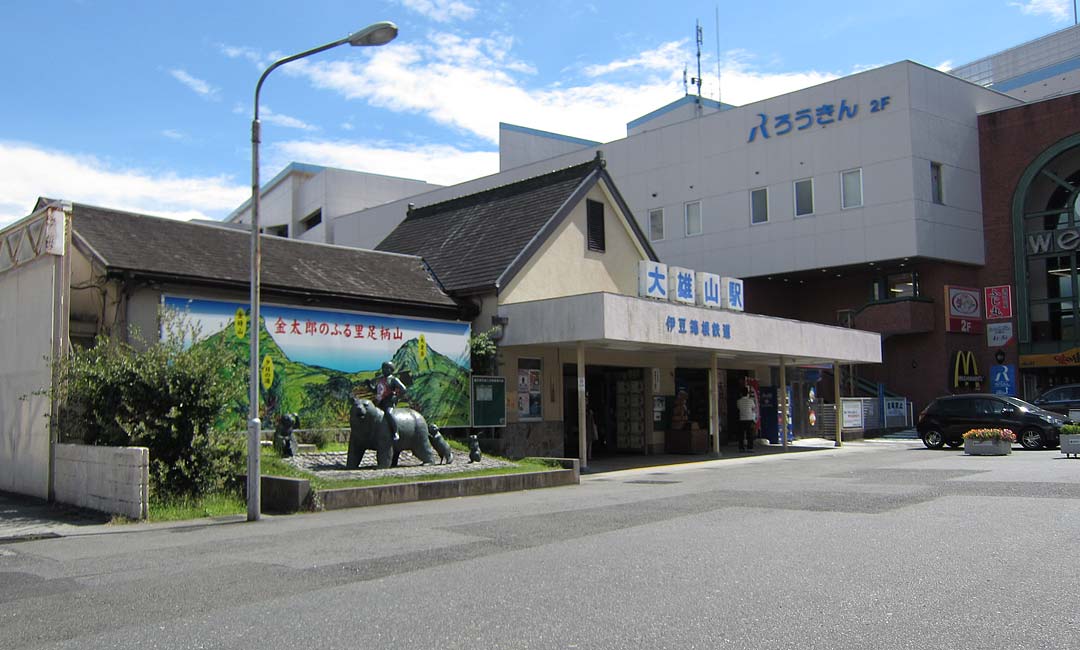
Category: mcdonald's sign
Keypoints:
(964, 371)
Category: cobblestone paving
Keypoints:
(331, 465)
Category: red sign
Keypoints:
(964, 310)
(998, 302)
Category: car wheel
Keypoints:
(933, 439)
(955, 443)
(1031, 439)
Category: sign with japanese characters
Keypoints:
(652, 280)
(963, 310)
(703, 328)
(998, 302)
(681, 285)
(708, 289)
(1003, 380)
(314, 361)
(805, 118)
(676, 284)
(998, 335)
(732, 294)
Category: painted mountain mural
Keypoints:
(437, 386)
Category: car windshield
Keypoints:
(1019, 403)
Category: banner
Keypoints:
(964, 310)
(315, 361)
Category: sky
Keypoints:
(147, 106)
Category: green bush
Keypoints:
(173, 400)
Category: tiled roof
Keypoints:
(124, 241)
(470, 241)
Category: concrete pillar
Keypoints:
(582, 439)
(714, 406)
(839, 411)
(783, 404)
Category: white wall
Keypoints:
(26, 333)
(109, 479)
(520, 146)
(930, 116)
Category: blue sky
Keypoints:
(146, 106)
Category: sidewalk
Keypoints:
(24, 518)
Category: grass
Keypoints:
(217, 505)
(211, 505)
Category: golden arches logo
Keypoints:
(965, 369)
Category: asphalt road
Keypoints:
(875, 545)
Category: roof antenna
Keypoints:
(718, 95)
(696, 81)
(685, 86)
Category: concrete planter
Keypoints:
(987, 447)
(1070, 444)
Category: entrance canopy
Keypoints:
(618, 322)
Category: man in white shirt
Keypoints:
(747, 421)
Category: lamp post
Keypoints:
(376, 34)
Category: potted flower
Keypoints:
(1070, 439)
(989, 442)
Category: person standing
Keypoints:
(747, 421)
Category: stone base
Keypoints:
(1070, 444)
(987, 447)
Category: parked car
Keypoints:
(946, 419)
(1060, 399)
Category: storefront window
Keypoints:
(530, 389)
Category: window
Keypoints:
(804, 197)
(656, 224)
(759, 205)
(530, 391)
(594, 211)
(310, 221)
(896, 285)
(277, 231)
(851, 189)
(693, 218)
(936, 193)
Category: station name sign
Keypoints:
(675, 284)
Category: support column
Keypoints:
(839, 410)
(783, 404)
(582, 439)
(714, 406)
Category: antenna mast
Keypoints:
(697, 80)
(718, 95)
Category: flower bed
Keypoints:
(990, 434)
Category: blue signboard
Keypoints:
(1003, 380)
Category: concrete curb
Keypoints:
(285, 495)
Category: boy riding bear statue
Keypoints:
(388, 390)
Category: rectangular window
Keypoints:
(530, 391)
(902, 285)
(937, 194)
(310, 221)
(656, 224)
(693, 218)
(594, 211)
(804, 197)
(277, 231)
(851, 189)
(759, 205)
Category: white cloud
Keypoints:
(1057, 10)
(440, 164)
(28, 171)
(197, 85)
(244, 52)
(287, 121)
(173, 134)
(441, 10)
(665, 57)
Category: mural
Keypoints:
(314, 361)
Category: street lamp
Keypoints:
(376, 34)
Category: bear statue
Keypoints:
(368, 429)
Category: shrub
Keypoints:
(990, 434)
(1070, 429)
(172, 400)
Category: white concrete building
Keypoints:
(303, 200)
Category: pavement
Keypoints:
(24, 518)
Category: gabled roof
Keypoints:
(478, 242)
(190, 252)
